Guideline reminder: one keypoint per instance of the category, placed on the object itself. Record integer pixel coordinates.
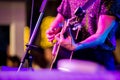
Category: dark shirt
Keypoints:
(90, 20)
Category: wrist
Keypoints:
(78, 46)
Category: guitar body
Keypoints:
(76, 32)
(60, 52)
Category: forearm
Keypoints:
(89, 42)
(105, 24)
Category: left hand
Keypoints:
(67, 43)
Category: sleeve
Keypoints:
(110, 7)
(64, 9)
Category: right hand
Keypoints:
(51, 32)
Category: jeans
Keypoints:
(102, 57)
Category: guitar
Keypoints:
(71, 27)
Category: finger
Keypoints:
(50, 38)
(49, 32)
(57, 36)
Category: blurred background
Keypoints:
(16, 26)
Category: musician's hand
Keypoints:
(51, 32)
(67, 43)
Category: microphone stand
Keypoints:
(32, 39)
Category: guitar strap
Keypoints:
(88, 4)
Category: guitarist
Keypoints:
(96, 36)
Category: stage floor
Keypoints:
(46, 74)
